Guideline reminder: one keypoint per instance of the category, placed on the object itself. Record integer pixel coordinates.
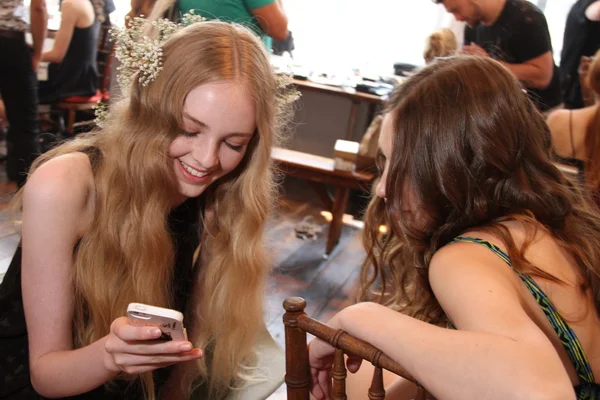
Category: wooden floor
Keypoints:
(327, 284)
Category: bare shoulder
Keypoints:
(558, 122)
(72, 4)
(467, 253)
(64, 184)
(557, 118)
(476, 288)
(70, 7)
(467, 263)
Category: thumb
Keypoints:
(353, 363)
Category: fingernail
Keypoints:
(155, 332)
(197, 352)
(185, 347)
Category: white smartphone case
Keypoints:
(170, 322)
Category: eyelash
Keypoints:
(233, 147)
(380, 162)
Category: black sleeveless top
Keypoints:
(185, 227)
(77, 74)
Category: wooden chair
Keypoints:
(71, 105)
(297, 377)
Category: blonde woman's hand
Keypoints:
(136, 349)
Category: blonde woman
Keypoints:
(441, 43)
(116, 216)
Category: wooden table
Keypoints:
(319, 171)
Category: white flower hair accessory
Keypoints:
(141, 55)
(101, 113)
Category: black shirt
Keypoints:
(581, 38)
(519, 34)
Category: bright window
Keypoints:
(556, 12)
(377, 33)
(372, 35)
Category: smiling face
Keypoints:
(219, 120)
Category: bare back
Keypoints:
(568, 129)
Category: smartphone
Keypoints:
(170, 322)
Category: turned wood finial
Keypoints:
(294, 304)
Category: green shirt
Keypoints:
(227, 10)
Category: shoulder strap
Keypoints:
(493, 248)
(571, 133)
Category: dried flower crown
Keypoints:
(141, 56)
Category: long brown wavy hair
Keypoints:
(475, 152)
(592, 135)
(127, 255)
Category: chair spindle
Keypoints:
(377, 391)
(339, 376)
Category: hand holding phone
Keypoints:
(132, 345)
(170, 322)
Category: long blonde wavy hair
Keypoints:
(475, 152)
(127, 255)
(441, 43)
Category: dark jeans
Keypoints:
(18, 87)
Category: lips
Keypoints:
(193, 171)
(194, 176)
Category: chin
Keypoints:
(191, 191)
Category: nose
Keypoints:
(206, 153)
(380, 188)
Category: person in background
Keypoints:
(266, 18)
(109, 7)
(165, 205)
(576, 133)
(514, 32)
(141, 8)
(580, 41)
(73, 70)
(18, 81)
(487, 284)
(441, 43)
